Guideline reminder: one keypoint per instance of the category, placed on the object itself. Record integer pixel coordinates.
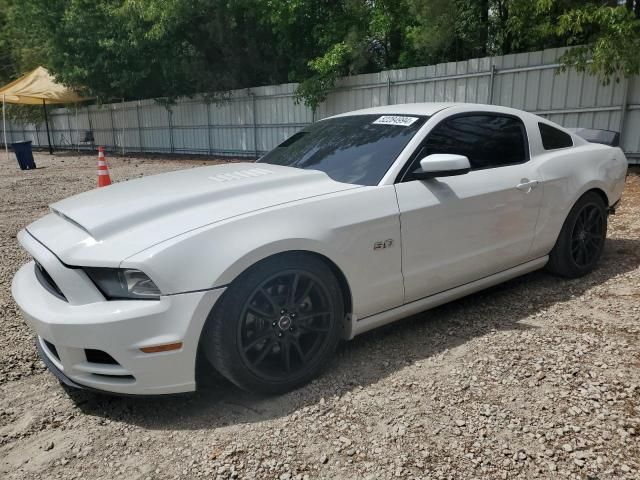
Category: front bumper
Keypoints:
(70, 330)
(45, 356)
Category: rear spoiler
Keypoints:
(606, 137)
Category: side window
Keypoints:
(488, 141)
(552, 138)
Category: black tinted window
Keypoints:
(553, 138)
(486, 140)
(354, 149)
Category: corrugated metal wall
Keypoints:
(252, 121)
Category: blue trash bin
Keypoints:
(24, 154)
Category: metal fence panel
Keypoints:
(249, 122)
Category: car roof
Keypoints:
(431, 108)
(425, 108)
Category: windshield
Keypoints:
(355, 149)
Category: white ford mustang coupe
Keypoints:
(352, 223)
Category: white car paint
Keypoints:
(120, 328)
(443, 162)
(456, 229)
(194, 231)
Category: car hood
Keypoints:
(125, 218)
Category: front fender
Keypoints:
(342, 227)
(256, 253)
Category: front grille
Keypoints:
(98, 356)
(52, 348)
(47, 282)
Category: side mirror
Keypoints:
(441, 165)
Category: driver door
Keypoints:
(459, 229)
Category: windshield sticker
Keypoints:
(395, 120)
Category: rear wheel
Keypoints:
(581, 240)
(277, 325)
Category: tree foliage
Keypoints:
(608, 40)
(167, 48)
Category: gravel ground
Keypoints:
(536, 378)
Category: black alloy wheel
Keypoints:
(587, 237)
(284, 323)
(581, 241)
(277, 325)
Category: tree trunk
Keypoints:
(484, 26)
(395, 47)
(503, 13)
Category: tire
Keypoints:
(267, 340)
(581, 240)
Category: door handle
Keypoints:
(527, 185)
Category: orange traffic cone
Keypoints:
(103, 171)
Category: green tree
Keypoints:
(16, 58)
(362, 37)
(327, 69)
(607, 39)
(448, 30)
(152, 48)
(168, 48)
(8, 66)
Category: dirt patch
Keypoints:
(536, 378)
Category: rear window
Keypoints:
(356, 149)
(552, 138)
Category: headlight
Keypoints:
(123, 283)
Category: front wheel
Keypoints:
(277, 325)
(581, 240)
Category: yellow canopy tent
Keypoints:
(35, 88)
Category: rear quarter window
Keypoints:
(553, 139)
